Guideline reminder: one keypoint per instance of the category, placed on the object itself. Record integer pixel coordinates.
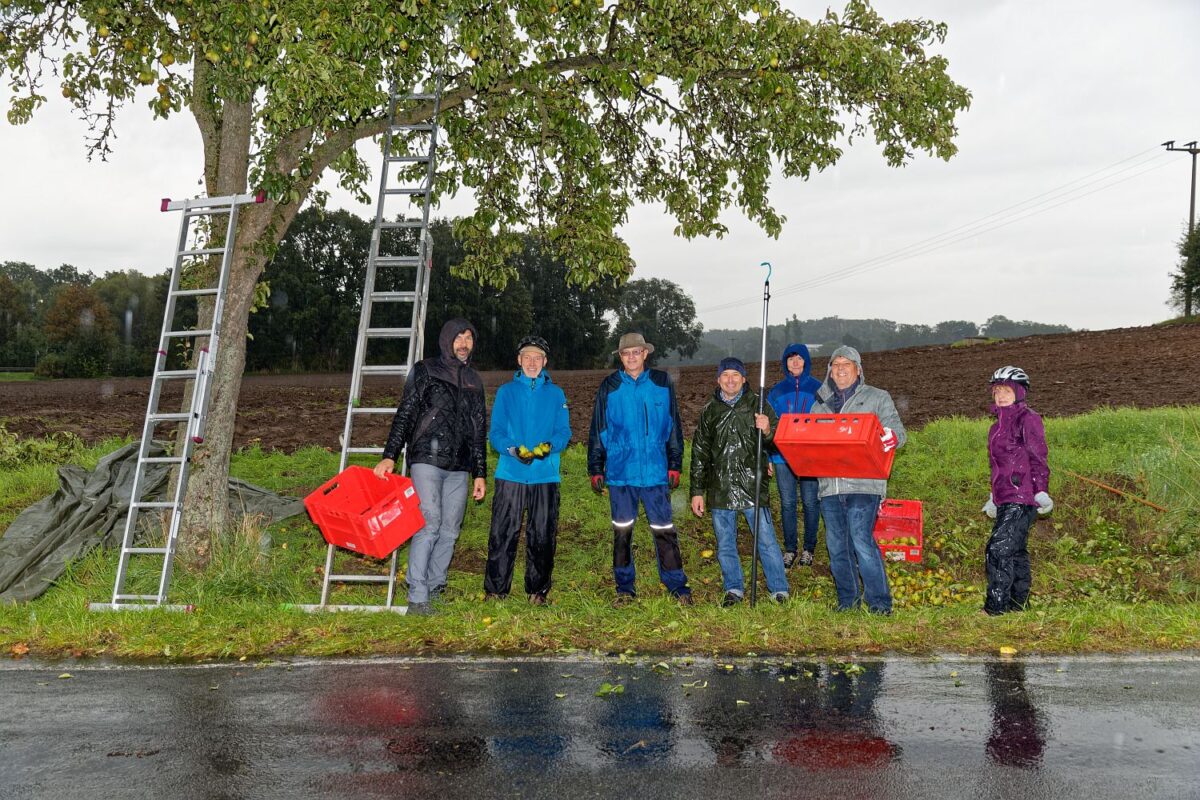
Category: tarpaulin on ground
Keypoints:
(90, 508)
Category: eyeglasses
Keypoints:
(843, 365)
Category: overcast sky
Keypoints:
(1060, 206)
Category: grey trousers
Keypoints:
(443, 501)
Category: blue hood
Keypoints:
(796, 349)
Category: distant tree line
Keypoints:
(65, 322)
(865, 335)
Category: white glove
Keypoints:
(1044, 503)
(888, 437)
(989, 508)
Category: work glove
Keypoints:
(989, 508)
(522, 454)
(542, 450)
(889, 439)
(598, 484)
(673, 478)
(1044, 503)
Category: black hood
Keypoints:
(450, 332)
(448, 368)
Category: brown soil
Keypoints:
(1071, 374)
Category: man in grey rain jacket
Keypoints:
(850, 505)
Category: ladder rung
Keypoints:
(389, 333)
(407, 190)
(206, 251)
(313, 608)
(193, 292)
(163, 460)
(397, 261)
(205, 212)
(176, 417)
(359, 578)
(373, 410)
(156, 551)
(404, 223)
(417, 97)
(159, 504)
(364, 450)
(392, 297)
(174, 374)
(135, 597)
(408, 159)
(384, 369)
(187, 609)
(179, 334)
(423, 127)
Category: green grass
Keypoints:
(1110, 574)
(16, 376)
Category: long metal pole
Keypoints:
(762, 385)
(1192, 207)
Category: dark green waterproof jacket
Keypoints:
(723, 454)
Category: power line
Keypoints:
(1063, 193)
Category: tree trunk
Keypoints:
(225, 130)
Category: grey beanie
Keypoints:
(846, 351)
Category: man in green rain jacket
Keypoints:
(723, 478)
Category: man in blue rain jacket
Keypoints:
(530, 427)
(635, 448)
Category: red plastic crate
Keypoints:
(360, 512)
(834, 445)
(900, 520)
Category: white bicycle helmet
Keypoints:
(1014, 374)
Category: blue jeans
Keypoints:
(443, 496)
(853, 554)
(725, 526)
(787, 482)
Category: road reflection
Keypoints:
(1018, 735)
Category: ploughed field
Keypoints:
(1071, 374)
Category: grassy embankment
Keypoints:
(1110, 574)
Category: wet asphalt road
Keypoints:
(1077, 728)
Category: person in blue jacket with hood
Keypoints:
(795, 394)
(530, 427)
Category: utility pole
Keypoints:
(1192, 149)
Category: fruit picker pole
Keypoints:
(762, 385)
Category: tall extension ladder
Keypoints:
(199, 221)
(393, 232)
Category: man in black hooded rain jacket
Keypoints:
(441, 425)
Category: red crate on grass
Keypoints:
(834, 445)
(899, 530)
(360, 512)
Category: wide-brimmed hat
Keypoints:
(633, 340)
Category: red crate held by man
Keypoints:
(358, 511)
(834, 445)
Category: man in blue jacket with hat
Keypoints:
(530, 427)
(635, 448)
(795, 394)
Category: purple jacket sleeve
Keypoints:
(1035, 445)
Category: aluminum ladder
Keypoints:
(401, 253)
(197, 247)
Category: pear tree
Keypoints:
(560, 116)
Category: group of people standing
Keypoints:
(635, 456)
